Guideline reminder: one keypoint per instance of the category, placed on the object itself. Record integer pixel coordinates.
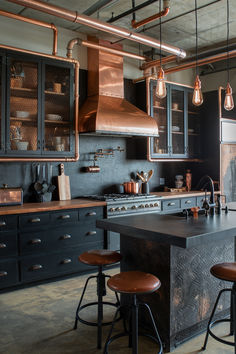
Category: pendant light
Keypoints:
(161, 85)
(197, 93)
(229, 102)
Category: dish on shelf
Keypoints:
(22, 145)
(175, 128)
(175, 105)
(162, 127)
(191, 130)
(21, 114)
(53, 117)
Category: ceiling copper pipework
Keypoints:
(37, 23)
(93, 45)
(143, 22)
(75, 17)
(153, 63)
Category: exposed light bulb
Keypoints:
(161, 85)
(197, 93)
(229, 102)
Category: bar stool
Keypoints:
(227, 272)
(97, 258)
(133, 283)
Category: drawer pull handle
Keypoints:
(35, 220)
(2, 223)
(35, 241)
(91, 233)
(36, 267)
(65, 237)
(188, 202)
(3, 274)
(66, 261)
(3, 245)
(63, 217)
(171, 204)
(93, 213)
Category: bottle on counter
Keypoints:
(188, 180)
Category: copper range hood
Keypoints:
(106, 112)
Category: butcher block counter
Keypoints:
(180, 252)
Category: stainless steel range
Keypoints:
(127, 204)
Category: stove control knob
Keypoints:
(123, 208)
(112, 209)
(118, 209)
(151, 205)
(134, 207)
(141, 206)
(156, 204)
(146, 205)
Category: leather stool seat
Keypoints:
(225, 271)
(100, 257)
(134, 282)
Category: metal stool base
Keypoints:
(95, 323)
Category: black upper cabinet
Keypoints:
(37, 106)
(178, 121)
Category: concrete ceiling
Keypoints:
(178, 26)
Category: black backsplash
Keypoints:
(113, 170)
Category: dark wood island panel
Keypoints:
(180, 252)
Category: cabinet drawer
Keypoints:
(87, 214)
(8, 273)
(8, 222)
(200, 200)
(8, 243)
(169, 205)
(33, 220)
(42, 267)
(58, 239)
(187, 203)
(64, 216)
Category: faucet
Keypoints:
(204, 181)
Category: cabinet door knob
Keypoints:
(65, 237)
(35, 241)
(35, 220)
(3, 245)
(92, 213)
(36, 267)
(91, 233)
(171, 204)
(3, 274)
(66, 261)
(2, 223)
(63, 217)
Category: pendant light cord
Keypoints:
(228, 40)
(196, 33)
(160, 31)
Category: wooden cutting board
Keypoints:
(63, 185)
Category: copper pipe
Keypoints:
(73, 16)
(153, 63)
(76, 115)
(204, 61)
(93, 45)
(163, 13)
(34, 22)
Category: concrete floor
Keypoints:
(40, 319)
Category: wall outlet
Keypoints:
(162, 181)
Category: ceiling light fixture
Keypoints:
(197, 92)
(229, 102)
(161, 85)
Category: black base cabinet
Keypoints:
(40, 246)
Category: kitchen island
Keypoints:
(180, 252)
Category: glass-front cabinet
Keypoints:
(178, 121)
(38, 96)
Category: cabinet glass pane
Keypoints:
(1, 103)
(194, 144)
(23, 105)
(177, 121)
(57, 108)
(160, 115)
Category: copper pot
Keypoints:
(131, 187)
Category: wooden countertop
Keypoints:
(173, 230)
(49, 206)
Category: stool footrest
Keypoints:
(215, 336)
